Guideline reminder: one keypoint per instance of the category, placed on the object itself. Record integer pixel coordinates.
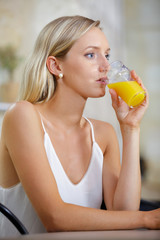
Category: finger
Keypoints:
(137, 79)
(114, 98)
(113, 94)
(146, 100)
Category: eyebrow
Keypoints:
(96, 47)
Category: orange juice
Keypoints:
(130, 91)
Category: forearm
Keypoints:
(128, 190)
(76, 218)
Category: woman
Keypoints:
(57, 165)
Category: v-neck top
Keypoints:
(87, 193)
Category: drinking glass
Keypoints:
(127, 88)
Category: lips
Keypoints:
(103, 80)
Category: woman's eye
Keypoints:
(107, 56)
(89, 55)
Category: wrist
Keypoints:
(145, 219)
(142, 219)
(129, 128)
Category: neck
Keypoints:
(65, 108)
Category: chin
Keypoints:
(98, 95)
(101, 93)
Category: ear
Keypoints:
(53, 65)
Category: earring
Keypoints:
(61, 75)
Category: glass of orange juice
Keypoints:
(128, 89)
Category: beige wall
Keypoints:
(142, 53)
(133, 30)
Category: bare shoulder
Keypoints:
(101, 126)
(104, 133)
(20, 111)
(20, 116)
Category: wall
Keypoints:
(142, 38)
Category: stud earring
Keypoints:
(61, 75)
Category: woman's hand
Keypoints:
(152, 219)
(126, 115)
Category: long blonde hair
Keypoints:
(55, 39)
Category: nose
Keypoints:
(104, 65)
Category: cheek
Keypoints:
(80, 65)
(81, 76)
(78, 72)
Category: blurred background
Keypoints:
(133, 31)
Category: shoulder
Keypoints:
(20, 116)
(20, 111)
(101, 126)
(20, 108)
(104, 133)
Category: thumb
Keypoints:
(113, 94)
(114, 97)
(117, 102)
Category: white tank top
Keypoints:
(87, 193)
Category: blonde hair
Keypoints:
(55, 39)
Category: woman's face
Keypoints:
(86, 64)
